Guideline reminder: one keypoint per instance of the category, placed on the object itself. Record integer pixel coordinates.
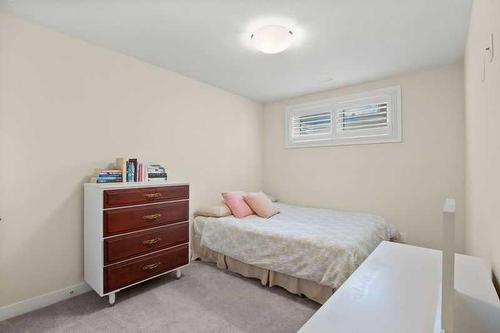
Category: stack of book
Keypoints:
(156, 173)
(131, 170)
(108, 176)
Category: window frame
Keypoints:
(389, 95)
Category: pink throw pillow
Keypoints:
(261, 204)
(236, 203)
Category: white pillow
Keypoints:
(219, 210)
(273, 199)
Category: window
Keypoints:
(370, 117)
(312, 124)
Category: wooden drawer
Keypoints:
(127, 246)
(144, 195)
(122, 220)
(123, 274)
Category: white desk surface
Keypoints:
(398, 289)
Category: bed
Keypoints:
(307, 251)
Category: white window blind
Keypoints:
(370, 117)
(312, 125)
(363, 117)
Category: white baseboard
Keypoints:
(38, 302)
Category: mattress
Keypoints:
(321, 245)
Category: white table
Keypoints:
(398, 289)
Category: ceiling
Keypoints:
(338, 42)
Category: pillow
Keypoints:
(261, 204)
(273, 199)
(219, 210)
(236, 203)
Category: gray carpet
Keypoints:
(205, 299)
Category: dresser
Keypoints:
(134, 232)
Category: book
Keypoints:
(140, 173)
(108, 181)
(108, 170)
(129, 172)
(133, 161)
(121, 164)
(157, 175)
(109, 174)
(109, 177)
(155, 168)
(98, 179)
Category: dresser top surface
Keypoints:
(135, 184)
(398, 289)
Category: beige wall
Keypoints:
(483, 135)
(404, 182)
(67, 107)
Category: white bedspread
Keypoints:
(321, 245)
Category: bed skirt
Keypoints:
(310, 289)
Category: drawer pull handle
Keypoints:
(151, 241)
(151, 266)
(152, 195)
(152, 217)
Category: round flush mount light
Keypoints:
(272, 39)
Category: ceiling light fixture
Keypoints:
(272, 39)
